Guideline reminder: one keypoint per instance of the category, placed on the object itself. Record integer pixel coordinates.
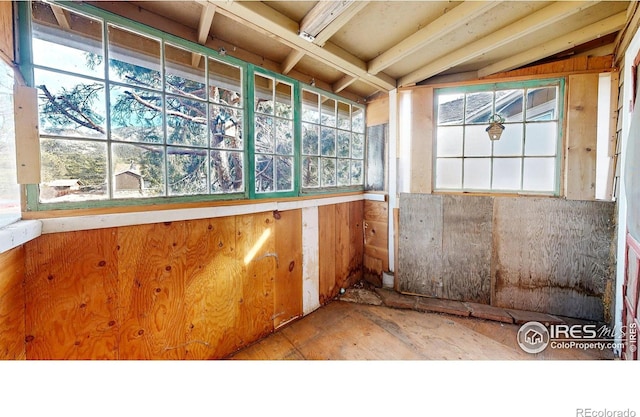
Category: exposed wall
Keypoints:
(12, 304)
(538, 254)
(195, 289)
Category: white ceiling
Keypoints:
(375, 46)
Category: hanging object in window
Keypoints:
(495, 127)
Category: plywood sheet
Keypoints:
(12, 304)
(327, 251)
(356, 241)
(288, 283)
(6, 31)
(71, 292)
(582, 120)
(552, 255)
(420, 245)
(466, 248)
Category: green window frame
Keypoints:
(526, 159)
(192, 145)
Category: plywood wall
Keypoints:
(539, 254)
(194, 289)
(6, 31)
(340, 247)
(12, 335)
(376, 240)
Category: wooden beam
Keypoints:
(523, 27)
(344, 17)
(577, 37)
(61, 16)
(321, 15)
(445, 24)
(343, 83)
(268, 19)
(291, 60)
(204, 26)
(626, 35)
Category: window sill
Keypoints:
(19, 233)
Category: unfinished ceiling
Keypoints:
(361, 48)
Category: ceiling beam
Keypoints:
(204, 26)
(510, 33)
(286, 30)
(321, 15)
(577, 37)
(342, 83)
(341, 20)
(445, 24)
(291, 60)
(61, 16)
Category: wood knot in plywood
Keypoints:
(292, 265)
(29, 338)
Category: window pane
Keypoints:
(477, 173)
(136, 115)
(357, 146)
(181, 77)
(81, 48)
(506, 173)
(328, 141)
(186, 171)
(310, 107)
(357, 169)
(227, 172)
(226, 127)
(509, 104)
(343, 171)
(510, 143)
(134, 59)
(357, 119)
(9, 188)
(328, 172)
(479, 107)
(310, 172)
(328, 107)
(264, 134)
(344, 145)
(225, 83)
(542, 103)
(476, 141)
(539, 174)
(310, 139)
(450, 108)
(73, 170)
(284, 100)
(344, 115)
(449, 173)
(264, 173)
(284, 171)
(70, 106)
(284, 137)
(144, 162)
(449, 141)
(540, 139)
(186, 121)
(263, 94)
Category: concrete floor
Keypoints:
(355, 331)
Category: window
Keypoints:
(332, 142)
(132, 113)
(9, 189)
(526, 156)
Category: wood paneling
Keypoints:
(552, 255)
(71, 296)
(341, 247)
(378, 111)
(445, 246)
(288, 284)
(421, 140)
(376, 237)
(582, 121)
(6, 31)
(577, 64)
(12, 309)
